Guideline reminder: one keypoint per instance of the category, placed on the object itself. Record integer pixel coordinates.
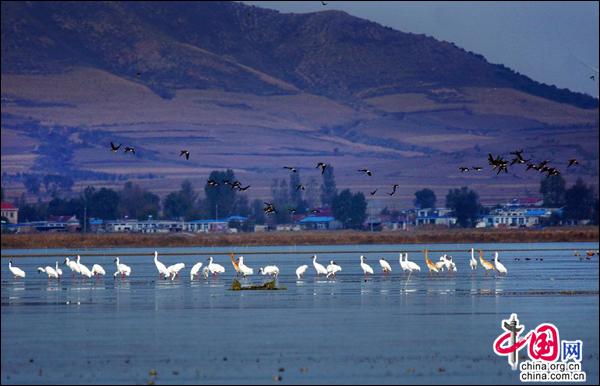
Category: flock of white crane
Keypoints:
(445, 263)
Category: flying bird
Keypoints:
(396, 186)
(292, 210)
(592, 77)
(300, 187)
(186, 153)
(243, 189)
(114, 148)
(321, 165)
(367, 171)
(573, 162)
(315, 211)
(463, 169)
(373, 192)
(477, 168)
(212, 183)
(292, 169)
(323, 3)
(129, 149)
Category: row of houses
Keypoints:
(514, 214)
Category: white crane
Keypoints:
(48, 270)
(122, 269)
(270, 270)
(411, 265)
(403, 263)
(73, 266)
(174, 269)
(321, 270)
(58, 270)
(499, 266)
(365, 267)
(97, 270)
(244, 269)
(16, 271)
(333, 269)
(385, 266)
(301, 270)
(214, 268)
(195, 270)
(85, 271)
(162, 269)
(473, 262)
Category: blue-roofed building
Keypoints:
(319, 223)
(510, 217)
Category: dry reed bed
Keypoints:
(421, 236)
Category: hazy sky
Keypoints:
(547, 41)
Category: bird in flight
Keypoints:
(321, 165)
(573, 162)
(114, 148)
(396, 186)
(292, 169)
(592, 77)
(129, 149)
(315, 211)
(292, 210)
(366, 171)
(212, 183)
(518, 157)
(323, 3)
(269, 208)
(300, 187)
(477, 168)
(186, 153)
(463, 169)
(373, 192)
(243, 189)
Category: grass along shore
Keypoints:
(419, 236)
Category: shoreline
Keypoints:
(420, 236)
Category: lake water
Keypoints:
(386, 329)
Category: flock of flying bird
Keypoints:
(445, 263)
(498, 163)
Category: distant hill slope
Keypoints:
(206, 45)
(251, 89)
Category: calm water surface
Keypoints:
(387, 329)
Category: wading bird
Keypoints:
(319, 268)
(215, 268)
(430, 265)
(366, 268)
(73, 266)
(244, 269)
(97, 270)
(195, 270)
(48, 271)
(162, 269)
(301, 270)
(85, 271)
(333, 269)
(484, 263)
(122, 269)
(174, 269)
(473, 262)
(270, 270)
(385, 266)
(499, 266)
(16, 271)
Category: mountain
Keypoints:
(252, 89)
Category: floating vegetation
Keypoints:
(268, 286)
